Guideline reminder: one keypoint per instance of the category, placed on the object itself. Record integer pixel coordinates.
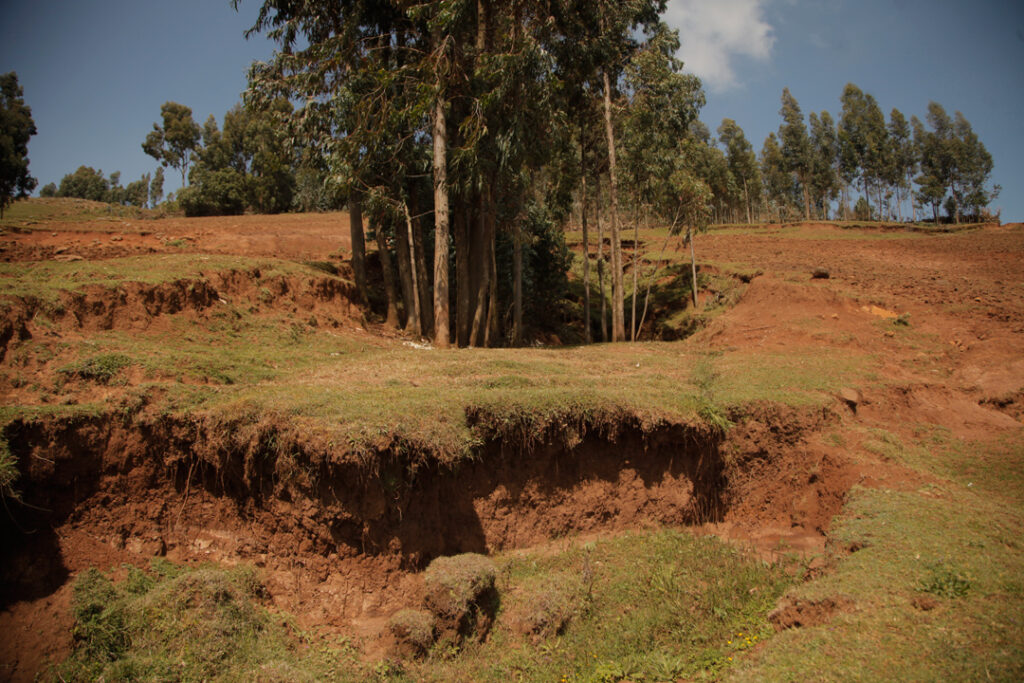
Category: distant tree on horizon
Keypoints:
(85, 183)
(16, 127)
(796, 147)
(173, 144)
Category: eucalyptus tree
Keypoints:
(742, 162)
(174, 142)
(904, 159)
(877, 160)
(663, 103)
(853, 138)
(973, 169)
(780, 190)
(824, 179)
(16, 127)
(796, 147)
(934, 162)
(156, 187)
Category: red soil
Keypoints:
(342, 557)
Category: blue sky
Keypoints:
(95, 72)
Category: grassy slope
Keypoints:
(661, 604)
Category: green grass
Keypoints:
(177, 623)
(656, 605)
(42, 214)
(653, 605)
(937, 582)
(46, 280)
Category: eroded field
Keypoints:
(197, 390)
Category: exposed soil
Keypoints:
(340, 542)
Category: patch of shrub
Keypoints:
(413, 629)
(461, 593)
(101, 368)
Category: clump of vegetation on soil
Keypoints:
(655, 605)
(175, 623)
(101, 369)
(8, 470)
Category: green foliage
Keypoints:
(247, 166)
(414, 627)
(102, 368)
(651, 606)
(184, 624)
(945, 582)
(16, 127)
(8, 470)
(156, 186)
(795, 145)
(85, 183)
(174, 142)
(214, 193)
(458, 581)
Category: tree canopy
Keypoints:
(16, 127)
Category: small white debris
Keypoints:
(421, 347)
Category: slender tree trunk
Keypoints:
(481, 261)
(422, 279)
(807, 201)
(746, 201)
(355, 220)
(636, 275)
(388, 272)
(417, 318)
(586, 238)
(440, 170)
(404, 267)
(693, 267)
(618, 311)
(913, 203)
(463, 287)
(600, 263)
(492, 333)
(517, 276)
(650, 280)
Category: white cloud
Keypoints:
(714, 33)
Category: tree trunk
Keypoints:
(463, 287)
(913, 203)
(355, 220)
(388, 272)
(636, 275)
(586, 238)
(746, 200)
(440, 170)
(404, 263)
(482, 262)
(491, 333)
(420, 262)
(618, 309)
(416, 317)
(693, 267)
(517, 276)
(600, 263)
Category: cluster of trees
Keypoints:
(466, 131)
(16, 127)
(251, 162)
(89, 183)
(804, 169)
